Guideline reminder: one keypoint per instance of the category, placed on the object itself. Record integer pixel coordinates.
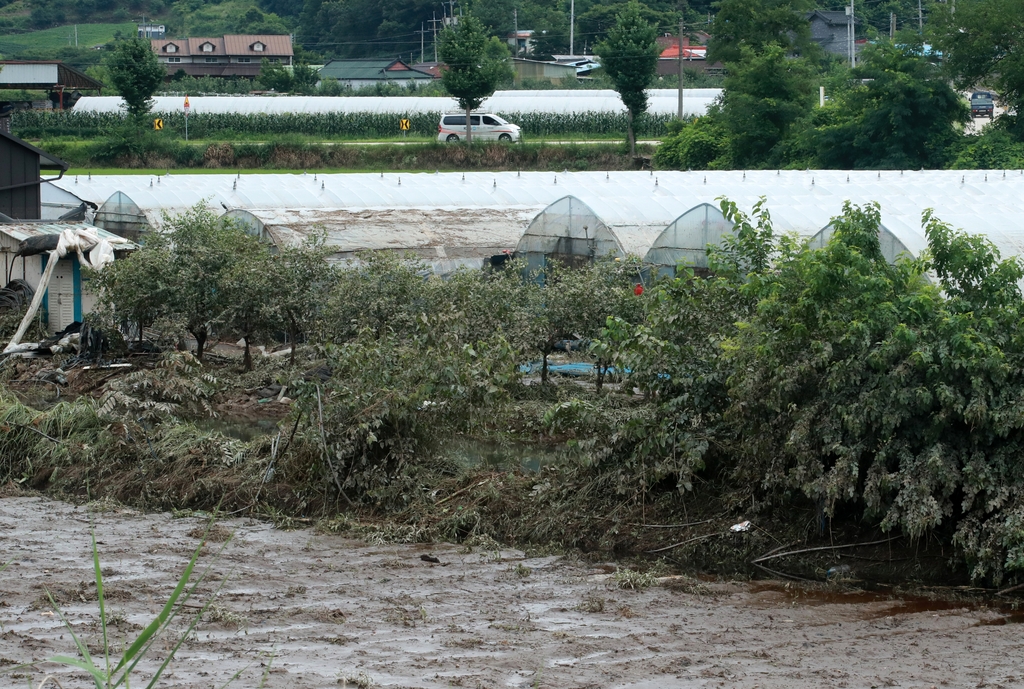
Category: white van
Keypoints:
(486, 127)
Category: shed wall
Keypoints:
(19, 166)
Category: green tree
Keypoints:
(693, 145)
(274, 77)
(304, 281)
(203, 252)
(247, 290)
(474, 65)
(756, 24)
(629, 57)
(765, 95)
(982, 42)
(897, 112)
(136, 74)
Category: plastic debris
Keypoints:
(741, 527)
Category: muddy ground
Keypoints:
(323, 610)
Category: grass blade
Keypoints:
(89, 666)
(99, 598)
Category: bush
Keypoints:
(693, 145)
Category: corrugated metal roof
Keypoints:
(276, 45)
(344, 70)
(42, 74)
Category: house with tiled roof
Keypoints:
(227, 56)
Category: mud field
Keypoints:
(323, 610)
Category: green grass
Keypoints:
(52, 39)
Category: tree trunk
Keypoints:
(630, 135)
(292, 335)
(247, 357)
(200, 335)
(544, 368)
(469, 127)
(600, 376)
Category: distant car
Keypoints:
(486, 127)
(983, 104)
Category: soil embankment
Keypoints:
(325, 610)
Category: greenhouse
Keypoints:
(568, 231)
(662, 102)
(685, 240)
(441, 239)
(122, 216)
(459, 215)
(892, 247)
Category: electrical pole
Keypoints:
(920, 17)
(423, 35)
(892, 25)
(433, 26)
(572, 27)
(680, 110)
(853, 35)
(515, 23)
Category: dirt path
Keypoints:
(333, 611)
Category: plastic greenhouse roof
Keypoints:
(979, 201)
(662, 101)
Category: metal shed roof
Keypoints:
(22, 231)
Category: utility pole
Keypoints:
(433, 26)
(515, 23)
(920, 17)
(423, 34)
(853, 35)
(680, 110)
(572, 27)
(892, 25)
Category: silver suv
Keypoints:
(486, 127)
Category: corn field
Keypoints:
(40, 124)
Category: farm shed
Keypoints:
(68, 297)
(20, 166)
(662, 102)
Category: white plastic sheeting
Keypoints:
(662, 102)
(686, 239)
(989, 203)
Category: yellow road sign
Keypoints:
(158, 124)
(404, 124)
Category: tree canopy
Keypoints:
(474, 65)
(136, 74)
(629, 57)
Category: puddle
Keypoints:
(890, 605)
(469, 452)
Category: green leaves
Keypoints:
(629, 57)
(474, 64)
(136, 74)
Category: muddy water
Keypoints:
(321, 610)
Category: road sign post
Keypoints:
(405, 125)
(187, 109)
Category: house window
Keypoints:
(171, 48)
(174, 59)
(207, 47)
(275, 60)
(211, 59)
(258, 47)
(245, 59)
